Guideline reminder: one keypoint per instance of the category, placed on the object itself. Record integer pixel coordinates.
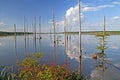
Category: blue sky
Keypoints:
(93, 11)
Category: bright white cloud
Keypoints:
(71, 18)
(116, 18)
(116, 3)
(96, 8)
(2, 24)
(72, 11)
(72, 15)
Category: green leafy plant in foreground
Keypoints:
(102, 43)
(74, 76)
(5, 74)
(30, 69)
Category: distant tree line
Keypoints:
(12, 33)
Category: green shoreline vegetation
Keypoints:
(85, 33)
(96, 32)
(13, 33)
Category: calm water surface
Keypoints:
(15, 48)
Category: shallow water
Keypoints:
(15, 48)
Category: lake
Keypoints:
(15, 48)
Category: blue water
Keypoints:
(9, 54)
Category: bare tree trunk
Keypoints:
(15, 44)
(79, 38)
(25, 34)
(103, 39)
(40, 27)
(55, 54)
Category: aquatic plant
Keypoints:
(102, 36)
(3, 74)
(30, 69)
(6, 74)
(74, 76)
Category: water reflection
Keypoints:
(55, 50)
(15, 44)
(40, 45)
(71, 48)
(34, 43)
(67, 51)
(25, 44)
(1, 44)
(99, 72)
(40, 37)
(105, 71)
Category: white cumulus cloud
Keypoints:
(116, 18)
(2, 24)
(72, 15)
(95, 8)
(116, 3)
